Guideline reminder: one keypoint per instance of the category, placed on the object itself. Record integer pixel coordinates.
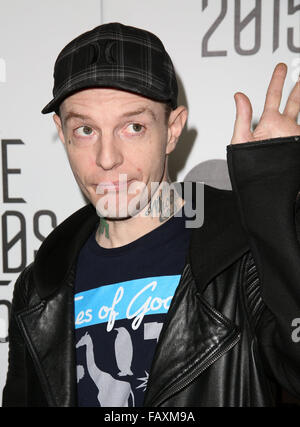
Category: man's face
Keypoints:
(108, 133)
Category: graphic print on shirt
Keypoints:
(103, 380)
(123, 352)
(117, 328)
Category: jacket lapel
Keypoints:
(48, 325)
(194, 336)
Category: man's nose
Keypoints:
(108, 152)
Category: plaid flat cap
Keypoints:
(118, 56)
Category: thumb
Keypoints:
(242, 126)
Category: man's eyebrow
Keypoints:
(72, 115)
(140, 111)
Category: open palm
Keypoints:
(272, 123)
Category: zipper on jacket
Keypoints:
(196, 372)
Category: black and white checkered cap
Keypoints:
(117, 56)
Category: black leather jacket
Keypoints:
(228, 333)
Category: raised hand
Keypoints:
(272, 123)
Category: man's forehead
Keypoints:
(80, 103)
(106, 94)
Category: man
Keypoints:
(136, 308)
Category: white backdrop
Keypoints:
(218, 47)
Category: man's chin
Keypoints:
(116, 214)
(116, 217)
(118, 209)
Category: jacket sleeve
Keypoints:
(15, 390)
(265, 177)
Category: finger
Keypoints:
(242, 125)
(292, 107)
(274, 92)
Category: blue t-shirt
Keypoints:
(122, 296)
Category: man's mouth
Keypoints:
(112, 186)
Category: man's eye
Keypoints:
(84, 131)
(135, 128)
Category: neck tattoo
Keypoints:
(163, 207)
(103, 227)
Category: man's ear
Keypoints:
(176, 124)
(59, 127)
